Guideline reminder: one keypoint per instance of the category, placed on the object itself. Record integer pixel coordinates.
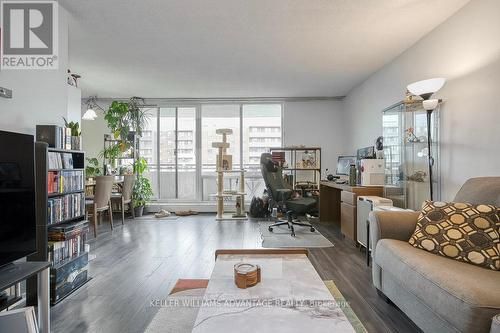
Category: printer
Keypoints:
(372, 172)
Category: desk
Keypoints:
(338, 205)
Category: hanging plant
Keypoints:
(117, 117)
(138, 117)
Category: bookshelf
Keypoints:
(301, 165)
(62, 226)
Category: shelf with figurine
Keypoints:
(301, 166)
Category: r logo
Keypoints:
(28, 28)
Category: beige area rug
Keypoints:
(178, 312)
(281, 237)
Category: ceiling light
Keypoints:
(89, 114)
(92, 105)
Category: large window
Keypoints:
(186, 168)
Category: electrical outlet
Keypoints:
(5, 93)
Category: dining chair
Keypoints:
(101, 201)
(125, 197)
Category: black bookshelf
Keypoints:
(55, 195)
(43, 226)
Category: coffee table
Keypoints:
(290, 298)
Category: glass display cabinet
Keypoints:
(406, 154)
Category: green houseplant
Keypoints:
(142, 191)
(93, 168)
(76, 140)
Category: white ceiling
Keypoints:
(241, 48)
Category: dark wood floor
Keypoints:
(141, 261)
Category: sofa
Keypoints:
(438, 294)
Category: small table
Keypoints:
(14, 273)
(291, 296)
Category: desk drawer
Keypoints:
(348, 197)
(348, 220)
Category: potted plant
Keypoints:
(76, 139)
(138, 117)
(93, 168)
(142, 192)
(117, 117)
(111, 153)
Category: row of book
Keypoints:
(65, 181)
(67, 242)
(65, 207)
(60, 160)
(62, 137)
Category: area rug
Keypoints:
(281, 237)
(178, 312)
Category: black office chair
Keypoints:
(280, 194)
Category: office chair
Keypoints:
(280, 194)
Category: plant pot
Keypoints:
(76, 142)
(139, 211)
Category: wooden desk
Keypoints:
(338, 205)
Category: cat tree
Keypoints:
(223, 167)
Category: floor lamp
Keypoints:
(426, 89)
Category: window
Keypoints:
(261, 131)
(185, 173)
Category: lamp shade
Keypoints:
(426, 88)
(430, 104)
(89, 115)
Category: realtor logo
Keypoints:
(29, 35)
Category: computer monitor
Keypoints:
(344, 164)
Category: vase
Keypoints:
(76, 142)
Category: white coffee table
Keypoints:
(290, 298)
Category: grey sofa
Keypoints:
(437, 293)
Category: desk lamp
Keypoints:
(425, 89)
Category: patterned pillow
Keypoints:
(465, 232)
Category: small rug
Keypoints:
(175, 318)
(152, 217)
(281, 237)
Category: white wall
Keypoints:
(316, 123)
(466, 50)
(39, 96)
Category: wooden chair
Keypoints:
(101, 201)
(125, 197)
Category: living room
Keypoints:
(193, 166)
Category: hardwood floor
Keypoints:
(141, 261)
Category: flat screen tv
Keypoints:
(17, 196)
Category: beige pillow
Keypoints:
(465, 232)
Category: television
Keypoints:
(17, 196)
(344, 164)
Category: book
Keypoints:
(65, 207)
(67, 138)
(67, 159)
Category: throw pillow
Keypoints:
(465, 232)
